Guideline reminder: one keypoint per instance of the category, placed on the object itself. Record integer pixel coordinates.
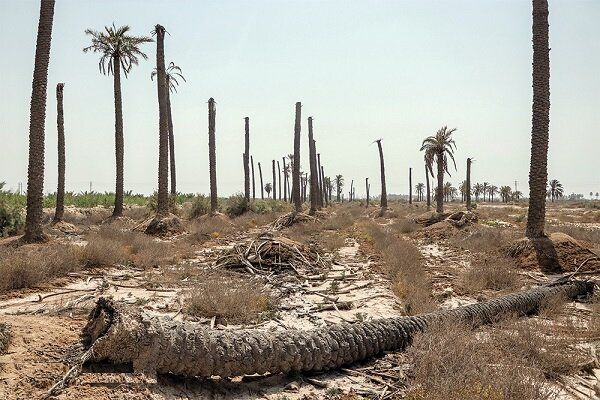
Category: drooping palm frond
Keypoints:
(114, 43)
(442, 146)
(173, 73)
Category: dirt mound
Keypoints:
(162, 226)
(65, 228)
(554, 254)
(443, 226)
(214, 217)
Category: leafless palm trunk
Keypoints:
(324, 187)
(382, 167)
(253, 181)
(428, 189)
(439, 205)
(285, 181)
(279, 179)
(296, 167)
(468, 188)
(212, 155)
(410, 186)
(162, 207)
(60, 125)
(262, 186)
(171, 143)
(274, 182)
(351, 193)
(367, 186)
(538, 169)
(37, 119)
(314, 181)
(320, 177)
(246, 158)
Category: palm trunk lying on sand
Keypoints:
(119, 334)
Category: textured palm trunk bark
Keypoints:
(247, 158)
(171, 142)
(410, 186)
(324, 188)
(121, 335)
(253, 181)
(439, 195)
(262, 186)
(60, 125)
(382, 168)
(37, 119)
(320, 181)
(212, 155)
(279, 178)
(367, 188)
(314, 181)
(274, 188)
(119, 141)
(468, 188)
(428, 188)
(296, 195)
(285, 181)
(538, 168)
(162, 207)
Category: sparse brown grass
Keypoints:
(404, 266)
(110, 246)
(576, 232)
(30, 265)
(483, 239)
(452, 363)
(497, 273)
(230, 300)
(209, 228)
(404, 225)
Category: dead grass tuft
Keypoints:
(209, 228)
(490, 274)
(231, 301)
(404, 225)
(110, 246)
(29, 265)
(451, 362)
(482, 239)
(404, 266)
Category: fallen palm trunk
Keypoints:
(155, 345)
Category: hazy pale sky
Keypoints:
(396, 70)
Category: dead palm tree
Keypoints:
(314, 181)
(274, 186)
(538, 167)
(37, 119)
(247, 158)
(212, 155)
(468, 183)
(339, 185)
(439, 148)
(556, 189)
(383, 201)
(118, 50)
(253, 181)
(60, 125)
(367, 187)
(410, 186)
(173, 72)
(162, 206)
(286, 174)
(296, 195)
(262, 188)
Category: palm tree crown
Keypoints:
(173, 72)
(442, 143)
(116, 43)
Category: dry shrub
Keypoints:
(230, 300)
(452, 363)
(484, 239)
(339, 221)
(492, 274)
(209, 228)
(136, 213)
(252, 220)
(110, 246)
(577, 232)
(404, 266)
(331, 241)
(31, 265)
(404, 225)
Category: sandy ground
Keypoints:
(46, 326)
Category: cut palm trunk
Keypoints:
(118, 334)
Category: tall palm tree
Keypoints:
(420, 188)
(484, 189)
(556, 189)
(118, 50)
(296, 162)
(262, 188)
(37, 119)
(339, 185)
(382, 170)
(477, 190)
(440, 147)
(60, 125)
(492, 191)
(427, 167)
(314, 181)
(538, 167)
(268, 188)
(162, 206)
(505, 193)
(173, 72)
(468, 184)
(516, 195)
(212, 155)
(247, 158)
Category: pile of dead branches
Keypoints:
(267, 254)
(290, 219)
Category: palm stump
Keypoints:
(119, 335)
